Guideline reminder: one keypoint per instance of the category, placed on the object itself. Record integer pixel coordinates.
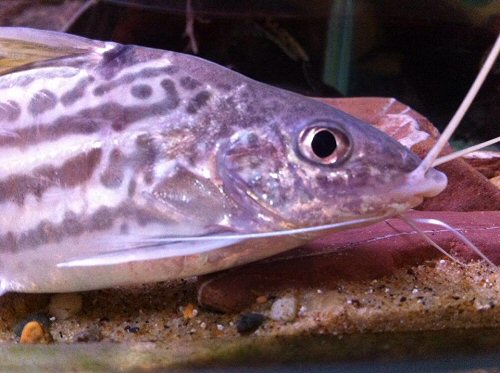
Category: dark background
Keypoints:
(424, 53)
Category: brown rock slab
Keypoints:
(486, 162)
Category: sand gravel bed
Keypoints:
(436, 295)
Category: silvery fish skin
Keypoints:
(112, 155)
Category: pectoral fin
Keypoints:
(137, 249)
(148, 250)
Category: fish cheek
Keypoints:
(256, 168)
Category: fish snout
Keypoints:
(437, 182)
(426, 185)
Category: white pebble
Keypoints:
(284, 309)
(302, 310)
(65, 305)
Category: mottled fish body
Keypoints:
(124, 164)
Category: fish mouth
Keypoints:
(433, 183)
(418, 186)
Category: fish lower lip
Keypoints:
(416, 187)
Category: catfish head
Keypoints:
(309, 164)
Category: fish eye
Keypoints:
(324, 145)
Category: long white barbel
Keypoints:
(460, 153)
(430, 158)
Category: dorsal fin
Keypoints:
(21, 47)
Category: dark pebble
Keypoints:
(355, 303)
(249, 322)
(41, 318)
(132, 329)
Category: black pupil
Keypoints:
(323, 144)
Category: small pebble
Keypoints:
(220, 327)
(63, 306)
(189, 312)
(249, 322)
(261, 299)
(302, 310)
(92, 334)
(132, 329)
(34, 332)
(39, 317)
(284, 309)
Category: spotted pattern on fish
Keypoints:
(78, 92)
(142, 91)
(197, 102)
(9, 111)
(172, 95)
(42, 101)
(86, 121)
(73, 225)
(113, 175)
(126, 79)
(189, 83)
(153, 93)
(73, 172)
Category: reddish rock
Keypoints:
(486, 162)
